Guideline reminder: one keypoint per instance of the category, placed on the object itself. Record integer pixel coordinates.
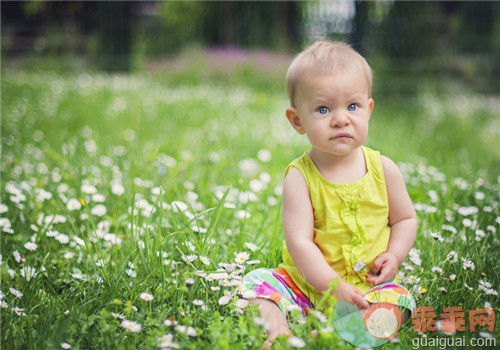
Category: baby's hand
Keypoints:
(348, 293)
(385, 268)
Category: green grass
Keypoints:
(203, 141)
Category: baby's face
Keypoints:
(333, 110)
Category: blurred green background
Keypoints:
(436, 63)
(410, 44)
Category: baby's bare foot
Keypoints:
(273, 334)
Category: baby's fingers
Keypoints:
(360, 301)
(370, 277)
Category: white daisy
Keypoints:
(253, 247)
(99, 198)
(178, 206)
(16, 293)
(98, 210)
(78, 276)
(73, 204)
(205, 260)
(100, 262)
(131, 326)
(437, 236)
(190, 258)
(69, 255)
(257, 185)
(327, 330)
(466, 211)
(191, 331)
(88, 189)
(28, 272)
(146, 296)
(253, 262)
(62, 238)
(166, 342)
(224, 300)
(117, 189)
(452, 257)
(242, 214)
(296, 342)
(241, 303)
(249, 294)
(241, 257)
(412, 279)
(437, 270)
(19, 311)
(264, 155)
(468, 264)
(30, 246)
(360, 265)
(449, 228)
(259, 321)
(170, 323)
(181, 329)
(51, 233)
(216, 276)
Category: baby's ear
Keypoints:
(293, 118)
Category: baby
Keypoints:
(347, 215)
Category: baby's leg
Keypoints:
(274, 317)
(274, 292)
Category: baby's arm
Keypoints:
(403, 223)
(298, 225)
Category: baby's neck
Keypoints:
(342, 168)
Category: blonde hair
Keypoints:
(328, 57)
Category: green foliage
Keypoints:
(181, 22)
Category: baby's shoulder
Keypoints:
(294, 175)
(392, 173)
(295, 187)
(388, 164)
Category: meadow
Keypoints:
(132, 205)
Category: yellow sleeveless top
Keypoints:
(351, 224)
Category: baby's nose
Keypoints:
(339, 119)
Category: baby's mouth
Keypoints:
(341, 136)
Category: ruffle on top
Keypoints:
(351, 217)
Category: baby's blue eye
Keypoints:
(352, 107)
(323, 110)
